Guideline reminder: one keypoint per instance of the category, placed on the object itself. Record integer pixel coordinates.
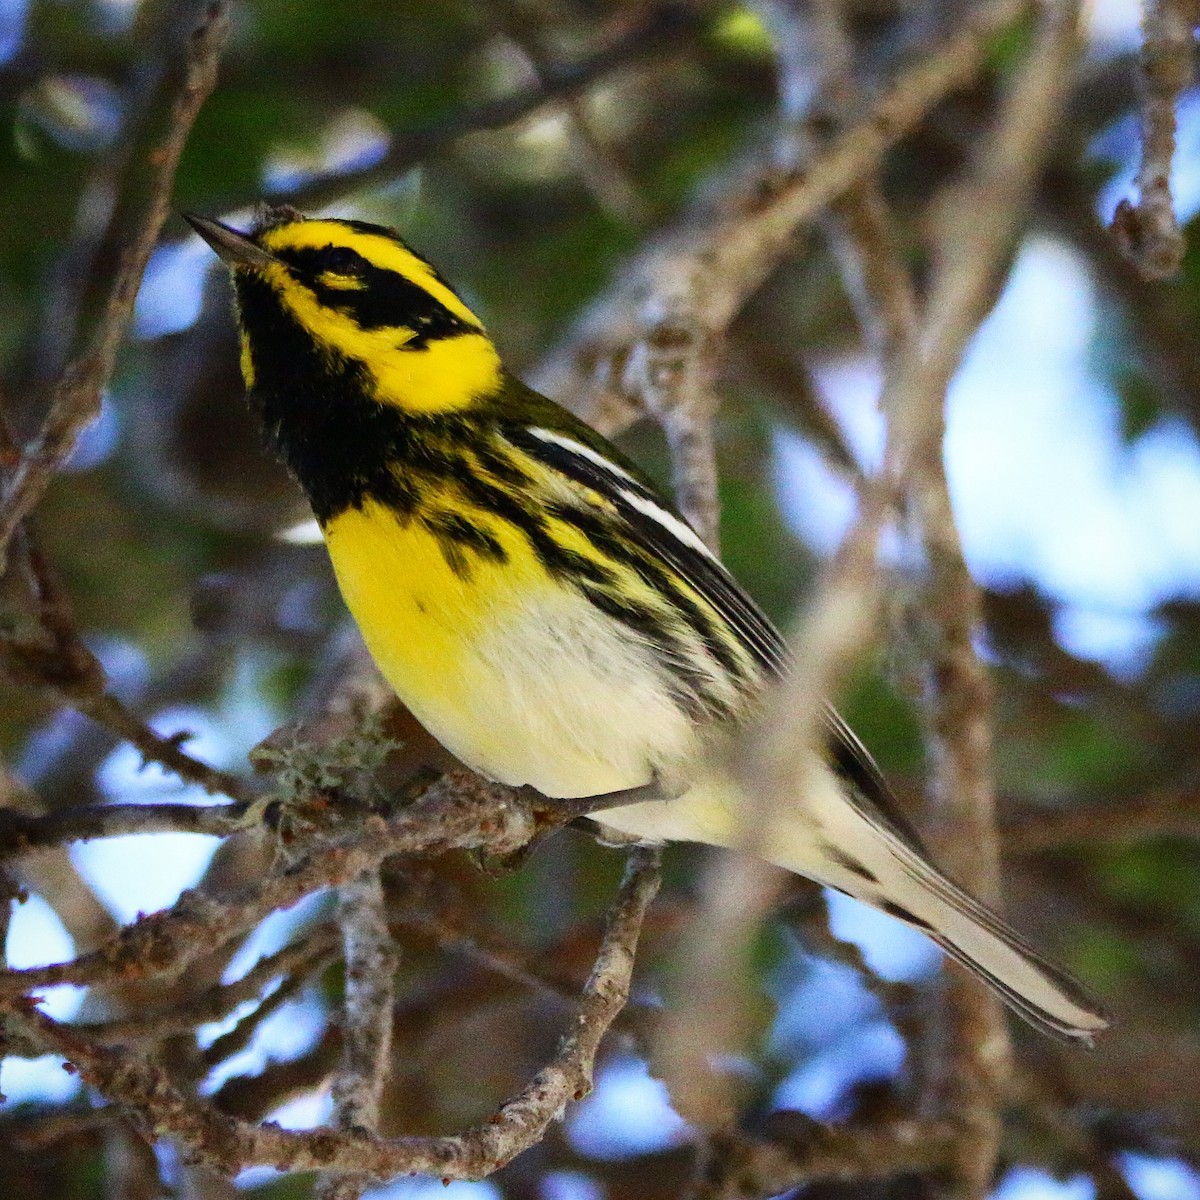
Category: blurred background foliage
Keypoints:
(164, 529)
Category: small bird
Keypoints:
(534, 601)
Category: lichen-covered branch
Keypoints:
(371, 959)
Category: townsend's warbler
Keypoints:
(533, 600)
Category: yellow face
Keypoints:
(366, 300)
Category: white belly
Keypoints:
(568, 703)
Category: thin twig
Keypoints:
(457, 811)
(1148, 232)
(1160, 813)
(21, 833)
(75, 400)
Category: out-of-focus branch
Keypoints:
(600, 169)
(776, 759)
(152, 1100)
(720, 258)
(969, 255)
(371, 961)
(1148, 231)
(75, 400)
(744, 1168)
(665, 25)
(21, 833)
(1166, 813)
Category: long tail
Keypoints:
(840, 840)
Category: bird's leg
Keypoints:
(552, 813)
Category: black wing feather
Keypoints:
(708, 577)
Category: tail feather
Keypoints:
(834, 840)
(898, 880)
(1047, 996)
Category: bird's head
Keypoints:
(349, 302)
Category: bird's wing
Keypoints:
(663, 532)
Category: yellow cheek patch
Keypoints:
(377, 249)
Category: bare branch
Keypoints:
(724, 256)
(22, 832)
(1148, 232)
(153, 1101)
(371, 960)
(75, 401)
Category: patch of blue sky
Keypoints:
(144, 873)
(12, 26)
(1044, 486)
(818, 503)
(136, 874)
(172, 290)
(275, 932)
(571, 1185)
(820, 1002)
(304, 1112)
(628, 1113)
(124, 777)
(292, 1030)
(352, 140)
(1031, 1183)
(895, 951)
(222, 737)
(1112, 25)
(1120, 143)
(98, 440)
(45, 748)
(434, 1189)
(1155, 1178)
(817, 1087)
(37, 938)
(1124, 642)
(42, 1080)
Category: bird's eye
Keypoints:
(341, 260)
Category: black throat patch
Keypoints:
(317, 412)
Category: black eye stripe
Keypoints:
(341, 260)
(383, 299)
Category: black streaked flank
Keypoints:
(461, 541)
(707, 576)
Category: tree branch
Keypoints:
(371, 960)
(155, 1104)
(1148, 232)
(75, 401)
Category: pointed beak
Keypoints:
(234, 248)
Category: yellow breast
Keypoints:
(514, 672)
